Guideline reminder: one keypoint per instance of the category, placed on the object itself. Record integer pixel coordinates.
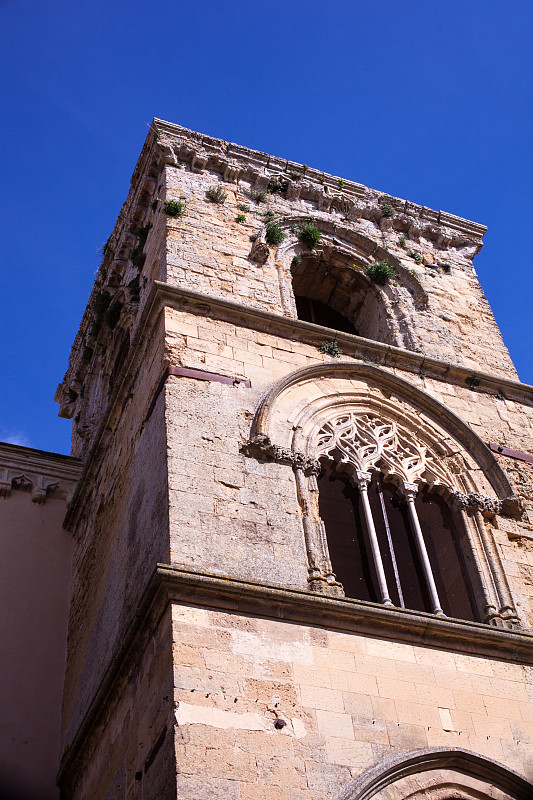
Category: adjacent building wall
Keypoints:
(34, 601)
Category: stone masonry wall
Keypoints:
(233, 514)
(120, 523)
(349, 701)
(130, 752)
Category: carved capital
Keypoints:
(262, 448)
(259, 252)
(409, 490)
(477, 502)
(363, 479)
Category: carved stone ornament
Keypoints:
(262, 448)
(368, 442)
(259, 252)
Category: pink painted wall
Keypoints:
(35, 562)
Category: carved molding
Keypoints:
(38, 472)
(262, 448)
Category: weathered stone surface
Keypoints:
(215, 473)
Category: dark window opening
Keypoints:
(314, 311)
(341, 510)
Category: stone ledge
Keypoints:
(357, 616)
(174, 584)
(384, 355)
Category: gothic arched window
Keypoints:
(390, 538)
(353, 561)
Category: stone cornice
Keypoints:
(380, 354)
(233, 160)
(173, 584)
(43, 471)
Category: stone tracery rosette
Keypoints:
(368, 443)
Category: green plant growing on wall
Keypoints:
(176, 164)
(174, 208)
(387, 210)
(268, 216)
(381, 272)
(105, 248)
(274, 234)
(216, 194)
(472, 382)
(322, 179)
(500, 395)
(308, 234)
(415, 256)
(341, 184)
(330, 347)
(296, 261)
(402, 240)
(277, 185)
(240, 218)
(244, 208)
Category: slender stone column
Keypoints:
(363, 479)
(487, 583)
(504, 594)
(315, 552)
(409, 491)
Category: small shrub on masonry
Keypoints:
(216, 194)
(296, 261)
(500, 395)
(100, 304)
(255, 195)
(330, 347)
(277, 185)
(445, 268)
(244, 208)
(401, 241)
(240, 218)
(104, 248)
(322, 179)
(268, 216)
(415, 256)
(341, 184)
(253, 237)
(174, 208)
(381, 272)
(176, 164)
(274, 234)
(472, 382)
(387, 210)
(308, 235)
(137, 253)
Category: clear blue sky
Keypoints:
(428, 101)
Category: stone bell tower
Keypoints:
(303, 550)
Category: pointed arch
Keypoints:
(372, 375)
(462, 773)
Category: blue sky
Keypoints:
(427, 101)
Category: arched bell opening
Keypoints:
(379, 557)
(330, 290)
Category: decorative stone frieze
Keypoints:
(38, 472)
